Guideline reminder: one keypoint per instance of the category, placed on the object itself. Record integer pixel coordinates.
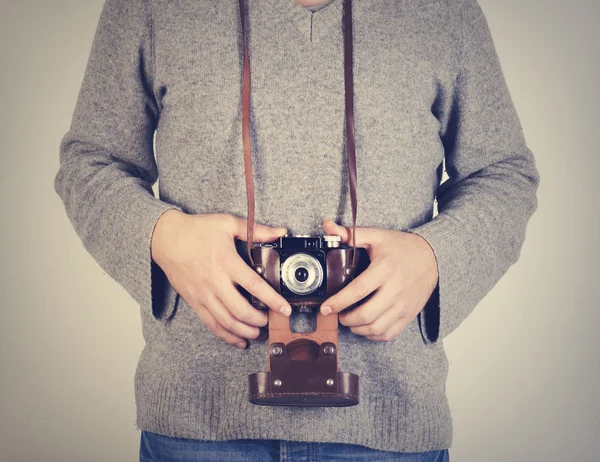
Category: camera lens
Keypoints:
(301, 274)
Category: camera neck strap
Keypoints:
(350, 143)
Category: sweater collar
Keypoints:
(324, 24)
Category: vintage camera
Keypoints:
(304, 269)
(303, 367)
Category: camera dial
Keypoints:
(332, 241)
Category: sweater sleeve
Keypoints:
(491, 193)
(107, 166)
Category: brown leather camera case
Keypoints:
(303, 367)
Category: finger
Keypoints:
(239, 307)
(365, 236)
(392, 332)
(260, 233)
(357, 289)
(369, 311)
(213, 325)
(227, 320)
(260, 288)
(380, 324)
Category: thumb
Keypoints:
(261, 233)
(264, 233)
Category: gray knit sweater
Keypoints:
(428, 87)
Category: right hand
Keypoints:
(198, 255)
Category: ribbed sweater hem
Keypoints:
(221, 411)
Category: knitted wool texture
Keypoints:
(428, 87)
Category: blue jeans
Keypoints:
(155, 447)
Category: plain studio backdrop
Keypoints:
(524, 367)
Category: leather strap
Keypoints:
(350, 142)
(246, 136)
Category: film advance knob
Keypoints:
(332, 241)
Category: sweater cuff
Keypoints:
(440, 316)
(153, 290)
(429, 317)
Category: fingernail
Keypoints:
(264, 333)
(286, 310)
(326, 310)
(241, 344)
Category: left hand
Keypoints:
(402, 274)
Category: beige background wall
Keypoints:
(525, 366)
